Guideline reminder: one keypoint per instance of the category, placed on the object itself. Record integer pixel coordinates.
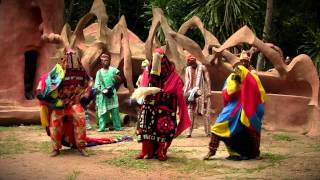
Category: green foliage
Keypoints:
(167, 10)
(291, 22)
(74, 10)
(224, 17)
(294, 29)
(311, 46)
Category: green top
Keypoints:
(104, 103)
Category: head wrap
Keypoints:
(244, 56)
(190, 58)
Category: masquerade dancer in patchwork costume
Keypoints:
(239, 123)
(107, 99)
(197, 91)
(59, 92)
(157, 125)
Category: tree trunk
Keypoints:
(266, 33)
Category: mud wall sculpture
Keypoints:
(296, 84)
(24, 56)
(293, 90)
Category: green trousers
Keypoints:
(115, 118)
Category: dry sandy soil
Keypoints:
(24, 154)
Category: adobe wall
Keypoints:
(22, 24)
(283, 112)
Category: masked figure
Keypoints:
(239, 123)
(157, 121)
(59, 92)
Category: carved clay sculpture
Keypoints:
(294, 83)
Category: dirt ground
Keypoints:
(24, 154)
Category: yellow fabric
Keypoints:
(156, 64)
(44, 113)
(242, 72)
(232, 86)
(60, 71)
(244, 119)
(221, 129)
(261, 89)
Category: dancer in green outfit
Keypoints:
(107, 99)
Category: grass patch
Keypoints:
(273, 158)
(10, 145)
(128, 161)
(6, 128)
(316, 146)
(45, 146)
(185, 165)
(92, 151)
(258, 169)
(179, 163)
(36, 127)
(73, 176)
(180, 151)
(283, 137)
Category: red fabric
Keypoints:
(159, 50)
(147, 149)
(100, 140)
(174, 85)
(161, 151)
(250, 95)
(42, 86)
(145, 79)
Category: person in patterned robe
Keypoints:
(197, 90)
(157, 121)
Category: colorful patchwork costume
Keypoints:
(59, 93)
(239, 123)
